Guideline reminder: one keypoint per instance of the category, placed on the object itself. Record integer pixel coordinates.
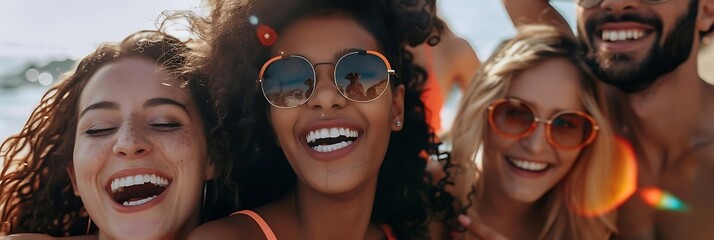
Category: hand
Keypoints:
(479, 230)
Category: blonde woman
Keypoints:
(544, 153)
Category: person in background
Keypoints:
(533, 154)
(646, 50)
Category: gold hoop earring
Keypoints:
(203, 204)
(89, 224)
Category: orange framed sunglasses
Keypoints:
(566, 129)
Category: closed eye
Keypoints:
(100, 131)
(166, 126)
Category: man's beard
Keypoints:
(621, 70)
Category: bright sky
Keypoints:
(73, 28)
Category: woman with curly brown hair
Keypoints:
(121, 148)
(313, 159)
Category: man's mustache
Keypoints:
(592, 24)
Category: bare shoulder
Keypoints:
(239, 226)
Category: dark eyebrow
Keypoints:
(343, 52)
(164, 101)
(100, 105)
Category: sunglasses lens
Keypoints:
(512, 118)
(571, 129)
(361, 77)
(288, 82)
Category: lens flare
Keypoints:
(617, 186)
(266, 35)
(662, 200)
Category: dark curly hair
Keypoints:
(233, 55)
(37, 195)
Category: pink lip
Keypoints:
(621, 47)
(330, 123)
(131, 172)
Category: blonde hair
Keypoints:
(573, 206)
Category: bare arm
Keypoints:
(468, 63)
(524, 12)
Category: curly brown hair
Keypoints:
(37, 194)
(232, 57)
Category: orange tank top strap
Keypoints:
(260, 221)
(432, 96)
(388, 232)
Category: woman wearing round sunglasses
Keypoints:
(532, 121)
(327, 126)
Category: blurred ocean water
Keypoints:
(16, 106)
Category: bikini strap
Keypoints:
(260, 221)
(388, 231)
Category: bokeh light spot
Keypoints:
(621, 182)
(32, 75)
(45, 79)
(662, 200)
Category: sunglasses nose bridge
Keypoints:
(536, 139)
(326, 94)
(324, 72)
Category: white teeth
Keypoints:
(622, 35)
(528, 165)
(139, 179)
(314, 135)
(332, 147)
(138, 202)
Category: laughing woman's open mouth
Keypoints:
(138, 190)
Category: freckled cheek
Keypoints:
(88, 159)
(186, 150)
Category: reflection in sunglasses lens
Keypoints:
(570, 129)
(361, 77)
(513, 118)
(288, 82)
